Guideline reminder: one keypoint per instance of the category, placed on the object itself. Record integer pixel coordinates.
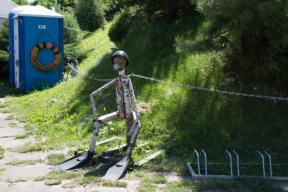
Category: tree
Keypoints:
(89, 14)
(21, 2)
(62, 4)
(254, 34)
(4, 42)
(170, 8)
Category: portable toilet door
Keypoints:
(36, 59)
(16, 53)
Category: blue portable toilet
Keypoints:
(36, 47)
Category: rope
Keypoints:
(86, 76)
(212, 90)
(78, 30)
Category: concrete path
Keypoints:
(17, 178)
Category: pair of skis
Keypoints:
(114, 173)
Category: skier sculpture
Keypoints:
(125, 99)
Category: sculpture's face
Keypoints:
(119, 63)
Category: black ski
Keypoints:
(118, 170)
(75, 162)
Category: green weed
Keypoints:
(2, 151)
(10, 117)
(54, 159)
(25, 162)
(28, 147)
(156, 179)
(3, 105)
(1, 170)
(13, 125)
(53, 182)
(16, 180)
(23, 136)
(70, 185)
(41, 178)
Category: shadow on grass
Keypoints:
(7, 90)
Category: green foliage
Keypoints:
(89, 14)
(121, 25)
(170, 8)
(21, 2)
(45, 3)
(4, 42)
(65, 5)
(71, 36)
(254, 35)
(2, 152)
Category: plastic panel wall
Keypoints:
(31, 32)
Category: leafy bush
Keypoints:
(121, 24)
(4, 42)
(89, 14)
(71, 36)
(21, 2)
(255, 35)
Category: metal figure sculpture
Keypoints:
(125, 100)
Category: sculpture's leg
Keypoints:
(97, 123)
(129, 122)
(84, 159)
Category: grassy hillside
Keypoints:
(178, 119)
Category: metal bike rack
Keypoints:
(230, 163)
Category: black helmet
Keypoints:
(120, 53)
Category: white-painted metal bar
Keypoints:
(192, 172)
(198, 161)
(149, 158)
(263, 161)
(230, 159)
(107, 117)
(237, 161)
(270, 162)
(228, 177)
(205, 160)
(108, 140)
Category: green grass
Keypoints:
(179, 120)
(53, 182)
(28, 147)
(3, 105)
(10, 117)
(1, 170)
(23, 136)
(13, 125)
(16, 180)
(2, 151)
(25, 162)
(54, 159)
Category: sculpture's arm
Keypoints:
(96, 92)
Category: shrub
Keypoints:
(71, 36)
(120, 26)
(89, 14)
(170, 8)
(4, 42)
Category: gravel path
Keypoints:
(17, 178)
